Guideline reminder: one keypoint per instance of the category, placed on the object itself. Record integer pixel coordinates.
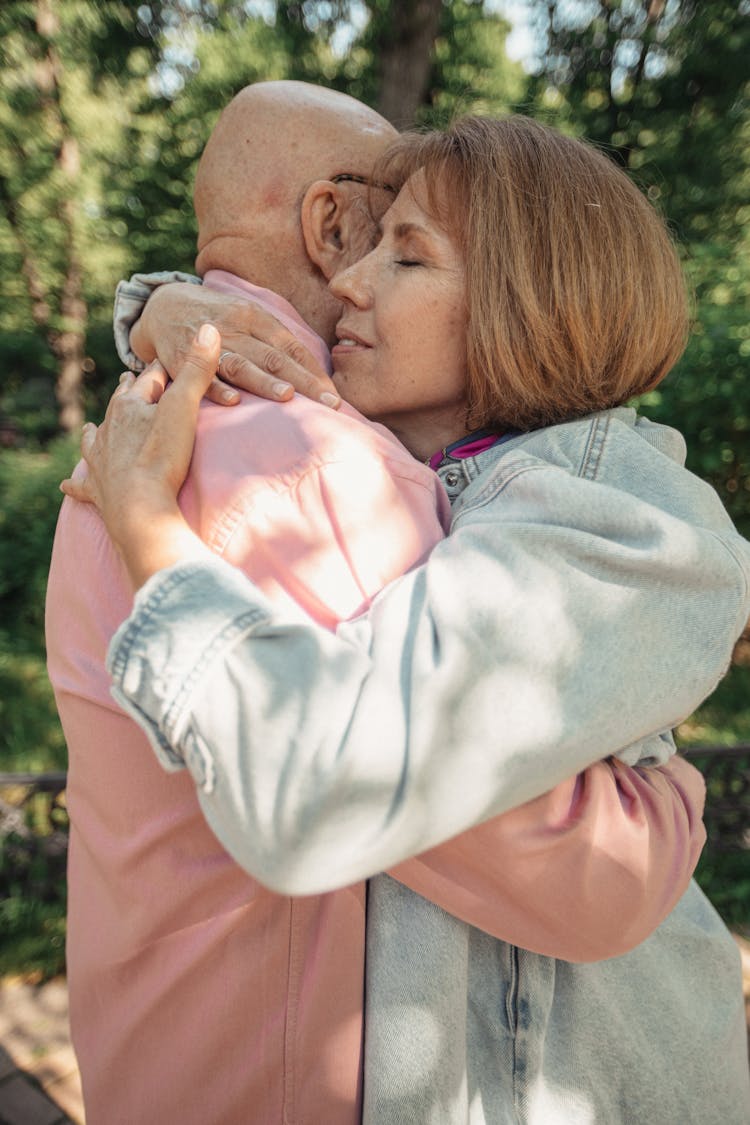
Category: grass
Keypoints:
(30, 735)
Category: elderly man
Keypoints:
(197, 995)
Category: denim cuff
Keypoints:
(183, 618)
(130, 297)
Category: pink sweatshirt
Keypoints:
(198, 996)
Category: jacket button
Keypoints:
(452, 478)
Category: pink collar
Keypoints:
(468, 446)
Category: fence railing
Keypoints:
(33, 836)
(19, 791)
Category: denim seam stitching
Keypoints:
(494, 488)
(228, 635)
(144, 615)
(594, 447)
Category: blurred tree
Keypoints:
(149, 182)
(67, 74)
(665, 86)
(403, 39)
(470, 70)
(56, 123)
(422, 63)
(36, 90)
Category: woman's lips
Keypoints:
(348, 340)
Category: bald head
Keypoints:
(270, 143)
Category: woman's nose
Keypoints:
(351, 284)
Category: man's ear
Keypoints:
(330, 217)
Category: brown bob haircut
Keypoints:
(575, 296)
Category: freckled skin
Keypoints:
(404, 307)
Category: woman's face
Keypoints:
(401, 355)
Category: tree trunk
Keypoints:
(404, 50)
(67, 343)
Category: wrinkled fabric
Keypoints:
(195, 992)
(587, 599)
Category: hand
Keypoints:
(264, 357)
(139, 457)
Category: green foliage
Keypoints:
(29, 502)
(725, 879)
(70, 75)
(33, 932)
(471, 72)
(32, 866)
(708, 394)
(30, 735)
(724, 719)
(668, 95)
(33, 897)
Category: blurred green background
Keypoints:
(104, 109)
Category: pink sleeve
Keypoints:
(584, 872)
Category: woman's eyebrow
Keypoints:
(403, 230)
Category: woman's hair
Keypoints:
(575, 295)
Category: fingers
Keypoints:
(271, 374)
(246, 374)
(151, 383)
(193, 377)
(77, 490)
(198, 370)
(147, 434)
(287, 360)
(149, 386)
(278, 353)
(88, 437)
(221, 394)
(262, 355)
(79, 485)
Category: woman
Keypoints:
(588, 596)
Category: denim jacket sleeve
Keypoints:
(562, 621)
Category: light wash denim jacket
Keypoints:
(587, 599)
